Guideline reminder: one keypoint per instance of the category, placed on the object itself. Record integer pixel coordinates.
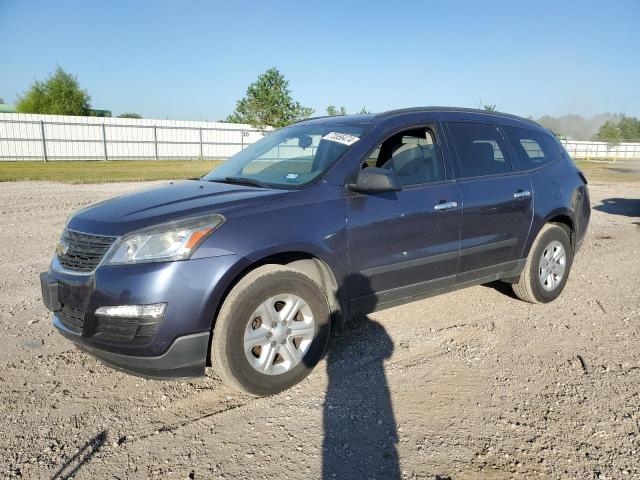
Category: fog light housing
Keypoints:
(155, 311)
(128, 323)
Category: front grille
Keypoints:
(83, 251)
(71, 318)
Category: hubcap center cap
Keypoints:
(279, 332)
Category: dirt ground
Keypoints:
(469, 385)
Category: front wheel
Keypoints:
(271, 330)
(547, 268)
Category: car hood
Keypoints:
(177, 200)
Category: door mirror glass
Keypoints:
(375, 180)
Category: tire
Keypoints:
(530, 286)
(249, 309)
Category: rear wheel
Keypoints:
(271, 330)
(547, 269)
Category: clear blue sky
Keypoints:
(194, 59)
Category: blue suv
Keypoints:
(248, 268)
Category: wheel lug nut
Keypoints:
(273, 344)
(269, 335)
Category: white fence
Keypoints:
(601, 150)
(58, 137)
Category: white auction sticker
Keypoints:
(343, 138)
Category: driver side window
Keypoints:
(412, 154)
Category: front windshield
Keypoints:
(290, 157)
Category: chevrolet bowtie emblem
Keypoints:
(62, 248)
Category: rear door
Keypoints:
(497, 202)
(404, 244)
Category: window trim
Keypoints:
(521, 167)
(438, 138)
(506, 153)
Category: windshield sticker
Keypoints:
(343, 138)
(291, 176)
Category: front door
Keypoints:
(404, 244)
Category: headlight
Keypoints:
(170, 241)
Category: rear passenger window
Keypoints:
(480, 149)
(533, 148)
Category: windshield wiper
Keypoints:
(240, 181)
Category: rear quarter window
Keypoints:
(534, 149)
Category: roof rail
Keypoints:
(311, 118)
(400, 111)
(350, 115)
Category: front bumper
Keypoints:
(185, 358)
(177, 346)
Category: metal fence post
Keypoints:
(44, 142)
(104, 142)
(155, 141)
(201, 155)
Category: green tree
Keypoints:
(489, 108)
(629, 129)
(268, 102)
(609, 132)
(129, 115)
(559, 136)
(60, 94)
(364, 111)
(334, 112)
(99, 113)
(1, 101)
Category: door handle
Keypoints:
(522, 194)
(445, 206)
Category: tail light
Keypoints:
(581, 175)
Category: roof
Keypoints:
(402, 111)
(451, 111)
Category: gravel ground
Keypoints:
(469, 385)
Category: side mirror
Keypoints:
(376, 180)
